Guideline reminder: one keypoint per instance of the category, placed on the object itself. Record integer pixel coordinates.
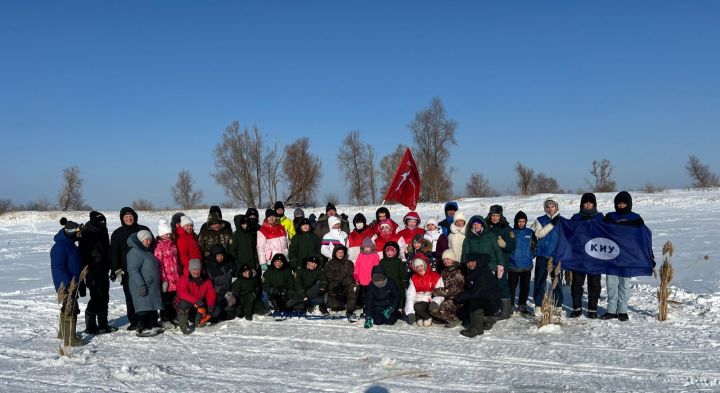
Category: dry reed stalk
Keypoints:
(666, 276)
(548, 309)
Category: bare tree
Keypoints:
(6, 205)
(525, 178)
(238, 161)
(332, 198)
(479, 187)
(602, 176)
(40, 205)
(271, 165)
(302, 171)
(433, 134)
(183, 191)
(389, 165)
(700, 173)
(353, 161)
(70, 196)
(545, 184)
(371, 173)
(142, 205)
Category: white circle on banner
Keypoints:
(602, 248)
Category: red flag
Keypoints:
(405, 187)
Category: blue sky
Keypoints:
(133, 91)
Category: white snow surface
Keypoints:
(578, 355)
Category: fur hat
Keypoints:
(623, 196)
(163, 227)
(185, 220)
(551, 201)
(588, 197)
(144, 234)
(311, 258)
(496, 209)
(97, 218)
(214, 218)
(195, 264)
(459, 216)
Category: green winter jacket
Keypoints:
(245, 286)
(303, 245)
(485, 243)
(503, 230)
(306, 279)
(395, 268)
(276, 280)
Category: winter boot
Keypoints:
(103, 326)
(608, 315)
(67, 330)
(453, 324)
(576, 313)
(489, 322)
(592, 314)
(476, 324)
(183, 322)
(91, 326)
(506, 309)
(623, 317)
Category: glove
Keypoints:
(386, 312)
(165, 286)
(368, 322)
(264, 267)
(411, 319)
(555, 220)
(204, 316)
(82, 289)
(143, 290)
(500, 271)
(433, 307)
(200, 304)
(501, 242)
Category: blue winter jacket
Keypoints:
(629, 219)
(447, 222)
(579, 217)
(65, 261)
(546, 246)
(522, 256)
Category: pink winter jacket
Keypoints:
(271, 240)
(167, 254)
(363, 267)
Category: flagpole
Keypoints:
(383, 203)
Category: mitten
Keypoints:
(411, 319)
(368, 322)
(433, 307)
(501, 242)
(386, 312)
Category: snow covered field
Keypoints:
(581, 355)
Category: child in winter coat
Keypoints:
(278, 283)
(305, 244)
(187, 244)
(395, 268)
(453, 283)
(588, 212)
(435, 235)
(420, 245)
(166, 253)
(341, 283)
(481, 295)
(334, 237)
(245, 290)
(387, 235)
(419, 299)
(367, 259)
(497, 225)
(412, 227)
(220, 267)
(521, 262)
(382, 299)
(358, 234)
(311, 285)
(271, 239)
(450, 209)
(457, 233)
(195, 298)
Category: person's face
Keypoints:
(471, 265)
(277, 263)
(165, 236)
(311, 265)
(431, 227)
(359, 225)
(219, 257)
(244, 225)
(272, 220)
(421, 269)
(146, 242)
(459, 223)
(451, 213)
(522, 222)
(412, 224)
(280, 211)
(385, 230)
(215, 226)
(331, 213)
(417, 245)
(246, 274)
(477, 227)
(447, 262)
(621, 205)
(495, 218)
(128, 219)
(195, 273)
(188, 228)
(391, 252)
(336, 226)
(552, 209)
(252, 218)
(367, 250)
(305, 227)
(588, 205)
(340, 254)
(381, 216)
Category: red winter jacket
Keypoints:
(188, 248)
(192, 291)
(408, 234)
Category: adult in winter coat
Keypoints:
(95, 252)
(335, 237)
(618, 288)
(175, 225)
(457, 233)
(588, 212)
(167, 254)
(245, 242)
(412, 227)
(217, 231)
(287, 223)
(298, 215)
(419, 299)
(144, 281)
(195, 299)
(381, 214)
(387, 235)
(216, 212)
(66, 265)
(245, 290)
(271, 239)
(547, 240)
(453, 284)
(360, 232)
(498, 226)
(305, 244)
(311, 285)
(118, 256)
(220, 267)
(451, 209)
(520, 264)
(382, 299)
(342, 289)
(439, 240)
(394, 268)
(187, 244)
(480, 240)
(278, 282)
(323, 225)
(481, 295)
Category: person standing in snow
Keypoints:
(144, 280)
(588, 212)
(305, 244)
(498, 226)
(450, 209)
(547, 240)
(279, 208)
(187, 244)
(195, 298)
(215, 212)
(271, 239)
(119, 249)
(323, 224)
(364, 264)
(356, 237)
(520, 264)
(66, 265)
(439, 240)
(457, 233)
(166, 253)
(382, 214)
(298, 215)
(245, 240)
(95, 252)
(382, 299)
(215, 231)
(419, 299)
(334, 237)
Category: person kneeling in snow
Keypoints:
(310, 287)
(220, 267)
(481, 296)
(245, 290)
(382, 299)
(278, 283)
(419, 299)
(453, 281)
(195, 298)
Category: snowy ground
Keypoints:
(681, 354)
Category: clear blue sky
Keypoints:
(134, 91)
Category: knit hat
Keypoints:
(368, 242)
(332, 221)
(278, 205)
(431, 221)
(144, 234)
(70, 227)
(329, 207)
(299, 212)
(97, 218)
(411, 216)
(459, 216)
(311, 258)
(163, 227)
(378, 273)
(419, 259)
(448, 254)
(185, 220)
(195, 264)
(270, 213)
(520, 216)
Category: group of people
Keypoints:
(453, 271)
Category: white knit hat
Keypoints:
(144, 234)
(185, 220)
(163, 227)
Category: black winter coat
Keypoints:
(481, 288)
(118, 241)
(221, 274)
(95, 249)
(379, 299)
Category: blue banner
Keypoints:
(595, 247)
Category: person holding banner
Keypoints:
(588, 212)
(547, 236)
